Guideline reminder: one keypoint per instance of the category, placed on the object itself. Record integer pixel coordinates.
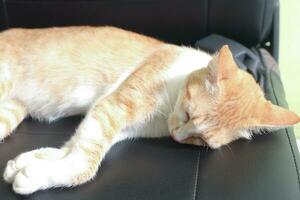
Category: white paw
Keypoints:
(3, 131)
(35, 170)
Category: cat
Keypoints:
(128, 85)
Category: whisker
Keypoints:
(230, 150)
(220, 150)
(206, 149)
(168, 99)
(163, 114)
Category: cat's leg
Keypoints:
(78, 160)
(12, 113)
(5, 88)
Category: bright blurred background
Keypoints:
(289, 53)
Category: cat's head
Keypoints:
(221, 103)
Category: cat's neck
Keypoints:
(189, 60)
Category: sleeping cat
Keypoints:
(127, 85)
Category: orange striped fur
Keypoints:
(127, 85)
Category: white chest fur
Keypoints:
(156, 125)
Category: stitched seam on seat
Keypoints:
(5, 13)
(39, 133)
(276, 99)
(207, 17)
(292, 150)
(263, 18)
(196, 177)
(80, 1)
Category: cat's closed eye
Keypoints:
(187, 117)
(220, 107)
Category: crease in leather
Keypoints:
(263, 17)
(5, 14)
(46, 133)
(277, 102)
(287, 134)
(207, 16)
(80, 1)
(197, 176)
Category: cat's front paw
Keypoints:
(3, 131)
(194, 141)
(35, 170)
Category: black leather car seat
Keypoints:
(266, 168)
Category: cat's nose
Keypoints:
(187, 117)
(174, 137)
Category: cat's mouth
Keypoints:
(193, 140)
(198, 141)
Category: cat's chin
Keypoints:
(192, 140)
(197, 141)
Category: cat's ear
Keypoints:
(222, 65)
(270, 115)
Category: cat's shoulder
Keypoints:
(191, 58)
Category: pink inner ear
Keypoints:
(226, 66)
(277, 116)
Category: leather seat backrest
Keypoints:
(177, 21)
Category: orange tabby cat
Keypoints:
(128, 85)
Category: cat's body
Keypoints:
(128, 85)
(69, 82)
(53, 84)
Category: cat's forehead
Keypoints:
(196, 76)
